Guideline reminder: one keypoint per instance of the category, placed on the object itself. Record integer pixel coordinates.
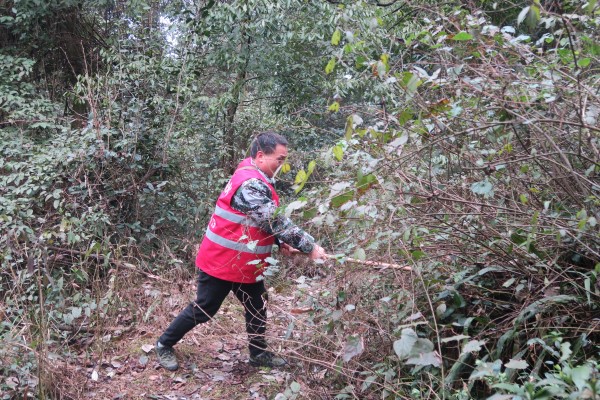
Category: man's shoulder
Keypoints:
(255, 184)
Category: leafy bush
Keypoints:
(474, 164)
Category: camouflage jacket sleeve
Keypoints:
(254, 199)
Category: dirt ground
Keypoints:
(213, 356)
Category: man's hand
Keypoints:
(287, 250)
(318, 253)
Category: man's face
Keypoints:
(268, 163)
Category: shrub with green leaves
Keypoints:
(471, 155)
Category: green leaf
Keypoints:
(330, 66)
(271, 260)
(311, 166)
(381, 69)
(581, 375)
(430, 358)
(516, 364)
(510, 387)
(410, 345)
(76, 312)
(360, 62)
(523, 198)
(440, 310)
(522, 15)
(422, 346)
(483, 188)
(349, 127)
(363, 182)
(360, 254)
(355, 345)
(368, 382)
(338, 152)
(587, 283)
(335, 39)
(334, 107)
(533, 18)
(565, 351)
(472, 346)
(509, 282)
(530, 14)
(411, 82)
(341, 199)
(404, 117)
(300, 177)
(486, 369)
(517, 238)
(591, 4)
(403, 346)
(584, 62)
(417, 255)
(293, 206)
(385, 60)
(295, 387)
(462, 36)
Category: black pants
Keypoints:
(210, 295)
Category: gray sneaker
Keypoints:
(267, 359)
(166, 357)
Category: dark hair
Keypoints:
(266, 142)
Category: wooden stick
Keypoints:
(372, 263)
(356, 261)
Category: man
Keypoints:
(232, 255)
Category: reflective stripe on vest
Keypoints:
(236, 218)
(237, 246)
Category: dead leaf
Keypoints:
(12, 382)
(147, 348)
(296, 311)
(413, 317)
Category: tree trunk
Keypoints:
(229, 160)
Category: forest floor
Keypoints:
(213, 356)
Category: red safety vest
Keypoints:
(234, 248)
